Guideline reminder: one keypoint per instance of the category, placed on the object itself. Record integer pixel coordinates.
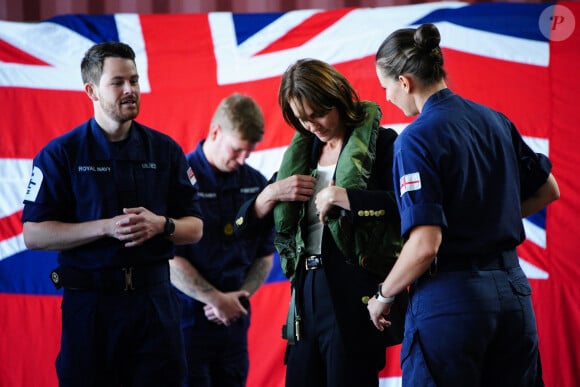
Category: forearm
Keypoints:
(265, 202)
(188, 229)
(546, 194)
(55, 235)
(257, 273)
(293, 188)
(416, 256)
(186, 278)
(134, 227)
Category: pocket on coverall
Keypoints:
(413, 363)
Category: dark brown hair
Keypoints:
(92, 63)
(413, 51)
(324, 87)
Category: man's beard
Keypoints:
(117, 112)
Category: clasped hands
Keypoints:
(136, 226)
(227, 309)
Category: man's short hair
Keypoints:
(241, 114)
(92, 63)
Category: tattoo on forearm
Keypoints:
(201, 285)
(190, 283)
(257, 275)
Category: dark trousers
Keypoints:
(217, 358)
(127, 339)
(471, 328)
(321, 358)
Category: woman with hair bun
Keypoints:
(464, 178)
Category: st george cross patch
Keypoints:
(191, 176)
(410, 182)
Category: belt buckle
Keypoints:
(128, 273)
(312, 262)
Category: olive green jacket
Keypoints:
(373, 243)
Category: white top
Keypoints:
(313, 237)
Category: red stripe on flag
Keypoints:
(521, 95)
(30, 340)
(10, 226)
(188, 98)
(32, 117)
(11, 54)
(405, 183)
(393, 366)
(265, 344)
(305, 31)
(534, 254)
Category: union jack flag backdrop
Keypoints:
(521, 59)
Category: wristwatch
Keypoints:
(381, 299)
(169, 228)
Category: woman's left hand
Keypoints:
(330, 197)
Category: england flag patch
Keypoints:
(191, 176)
(410, 182)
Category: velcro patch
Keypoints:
(34, 184)
(410, 182)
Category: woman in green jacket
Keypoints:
(337, 228)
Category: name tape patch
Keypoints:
(34, 184)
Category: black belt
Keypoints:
(496, 261)
(110, 280)
(313, 262)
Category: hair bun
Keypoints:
(427, 37)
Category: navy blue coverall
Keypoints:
(217, 354)
(120, 315)
(470, 322)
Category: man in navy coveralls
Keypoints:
(216, 276)
(113, 197)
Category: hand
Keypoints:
(227, 309)
(293, 188)
(136, 226)
(211, 314)
(378, 312)
(328, 198)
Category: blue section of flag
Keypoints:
(276, 274)
(517, 20)
(28, 272)
(248, 24)
(539, 219)
(98, 28)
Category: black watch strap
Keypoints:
(169, 228)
